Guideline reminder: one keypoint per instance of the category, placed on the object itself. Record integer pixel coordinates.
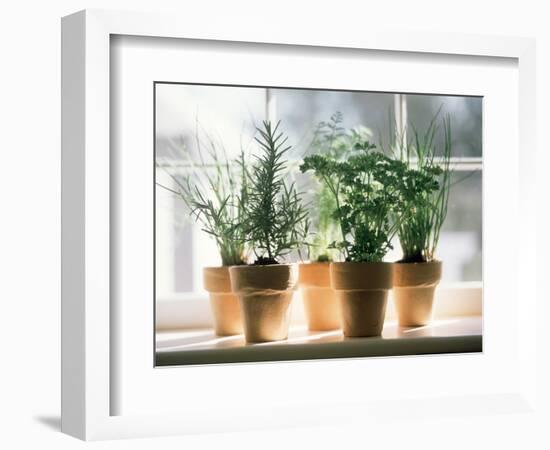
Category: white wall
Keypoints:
(30, 193)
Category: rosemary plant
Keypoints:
(276, 221)
(215, 194)
(366, 191)
(426, 190)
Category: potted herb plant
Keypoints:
(320, 304)
(426, 190)
(275, 223)
(365, 188)
(214, 193)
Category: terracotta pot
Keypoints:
(265, 296)
(320, 304)
(224, 304)
(413, 291)
(362, 292)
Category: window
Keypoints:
(183, 111)
(228, 114)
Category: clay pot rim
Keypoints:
(417, 275)
(216, 279)
(346, 276)
(314, 275)
(275, 277)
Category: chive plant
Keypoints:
(426, 190)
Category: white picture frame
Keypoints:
(88, 327)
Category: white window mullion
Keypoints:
(400, 107)
(270, 105)
(164, 236)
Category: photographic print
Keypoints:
(301, 224)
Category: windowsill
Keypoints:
(191, 311)
(202, 346)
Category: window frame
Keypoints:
(191, 308)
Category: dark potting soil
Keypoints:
(265, 261)
(413, 259)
